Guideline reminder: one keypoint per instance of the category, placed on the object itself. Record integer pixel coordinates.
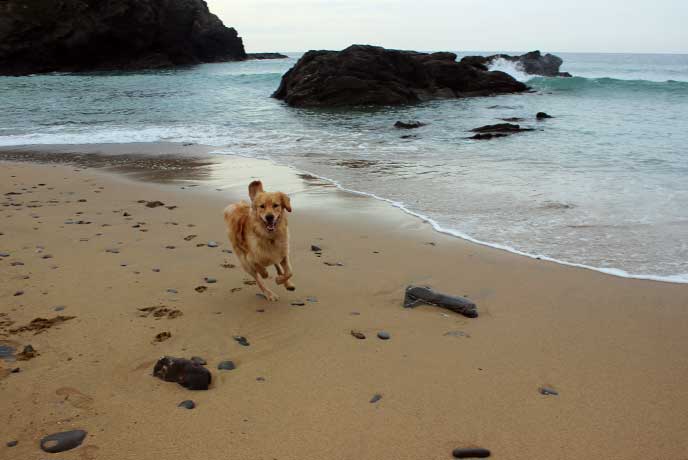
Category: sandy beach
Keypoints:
(79, 245)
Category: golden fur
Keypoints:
(259, 234)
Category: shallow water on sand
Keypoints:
(603, 184)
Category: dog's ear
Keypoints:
(255, 188)
(286, 202)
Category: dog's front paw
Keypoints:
(272, 297)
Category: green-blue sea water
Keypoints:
(603, 184)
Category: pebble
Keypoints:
(169, 247)
(200, 288)
(311, 299)
(18, 293)
(156, 270)
(298, 303)
(46, 256)
(376, 397)
(241, 340)
(212, 244)
(358, 334)
(4, 254)
(59, 308)
(12, 443)
(17, 264)
(210, 280)
(228, 251)
(60, 442)
(188, 404)
(112, 250)
(470, 452)
(260, 379)
(16, 370)
(226, 366)
(548, 391)
(172, 291)
(383, 335)
(199, 360)
(315, 248)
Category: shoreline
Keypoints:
(169, 151)
(612, 347)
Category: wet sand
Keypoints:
(614, 349)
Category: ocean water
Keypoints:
(604, 184)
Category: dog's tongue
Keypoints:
(270, 227)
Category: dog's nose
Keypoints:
(269, 217)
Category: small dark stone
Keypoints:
(156, 270)
(315, 248)
(470, 452)
(298, 303)
(188, 404)
(16, 370)
(60, 442)
(18, 293)
(4, 254)
(112, 250)
(126, 214)
(210, 280)
(311, 299)
(17, 264)
(46, 256)
(212, 244)
(543, 115)
(226, 366)
(241, 340)
(358, 334)
(260, 379)
(548, 391)
(383, 335)
(154, 204)
(12, 443)
(185, 372)
(172, 291)
(199, 360)
(376, 397)
(200, 289)
(170, 247)
(59, 308)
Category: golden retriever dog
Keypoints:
(259, 234)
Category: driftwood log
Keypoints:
(417, 295)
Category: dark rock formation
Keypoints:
(261, 56)
(82, 35)
(533, 63)
(185, 372)
(408, 125)
(499, 130)
(371, 75)
(543, 116)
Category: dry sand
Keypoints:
(615, 349)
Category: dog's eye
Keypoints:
(262, 206)
(275, 205)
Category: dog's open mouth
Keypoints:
(271, 226)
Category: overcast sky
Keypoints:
(500, 25)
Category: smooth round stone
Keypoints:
(60, 442)
(188, 404)
(376, 397)
(210, 280)
(212, 244)
(383, 335)
(226, 366)
(12, 443)
(470, 452)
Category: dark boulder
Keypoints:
(60, 442)
(370, 75)
(501, 128)
(532, 63)
(543, 116)
(408, 125)
(185, 372)
(83, 35)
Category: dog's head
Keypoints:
(268, 206)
